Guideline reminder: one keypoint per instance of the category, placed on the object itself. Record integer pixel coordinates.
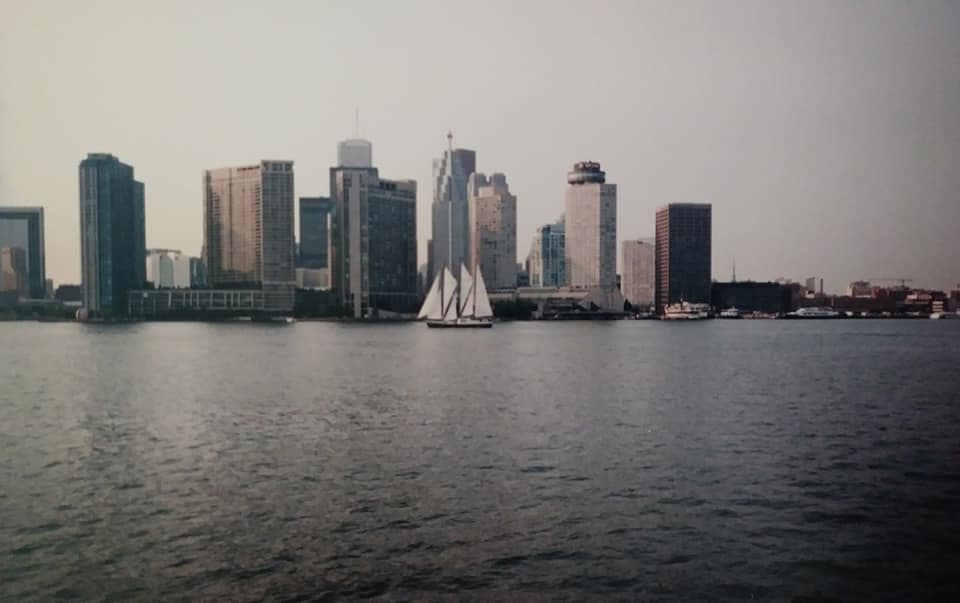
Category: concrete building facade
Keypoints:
(639, 272)
(169, 269)
(112, 234)
(683, 253)
(591, 228)
(355, 152)
(493, 230)
(249, 230)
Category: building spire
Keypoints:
(734, 279)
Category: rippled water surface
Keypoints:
(723, 460)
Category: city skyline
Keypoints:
(832, 159)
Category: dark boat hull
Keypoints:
(439, 324)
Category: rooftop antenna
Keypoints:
(734, 270)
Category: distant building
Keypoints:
(860, 289)
(639, 272)
(746, 296)
(493, 230)
(14, 275)
(523, 277)
(450, 213)
(69, 294)
(810, 285)
(355, 153)
(430, 273)
(248, 231)
(374, 242)
(546, 261)
(198, 273)
(315, 215)
(591, 235)
(112, 234)
(683, 253)
(313, 278)
(22, 227)
(168, 269)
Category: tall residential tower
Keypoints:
(248, 230)
(639, 274)
(112, 234)
(591, 233)
(545, 262)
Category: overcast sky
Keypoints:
(826, 134)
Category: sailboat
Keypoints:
(457, 305)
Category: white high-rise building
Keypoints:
(355, 153)
(168, 269)
(639, 272)
(591, 228)
(493, 230)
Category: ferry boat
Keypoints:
(944, 315)
(730, 313)
(686, 311)
(457, 305)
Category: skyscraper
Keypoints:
(112, 233)
(22, 228)
(639, 274)
(315, 232)
(683, 251)
(546, 261)
(493, 230)
(355, 152)
(248, 230)
(451, 220)
(591, 228)
(374, 241)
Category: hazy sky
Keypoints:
(826, 134)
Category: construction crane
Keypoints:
(903, 281)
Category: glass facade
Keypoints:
(112, 234)
(373, 242)
(683, 253)
(450, 213)
(546, 262)
(21, 228)
(315, 232)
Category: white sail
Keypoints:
(449, 295)
(432, 306)
(483, 309)
(466, 292)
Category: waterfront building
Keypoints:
(22, 228)
(249, 231)
(112, 234)
(810, 285)
(450, 212)
(749, 297)
(169, 269)
(591, 235)
(493, 230)
(639, 273)
(314, 248)
(355, 153)
(13, 271)
(859, 289)
(546, 261)
(683, 253)
(374, 242)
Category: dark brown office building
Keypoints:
(683, 253)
